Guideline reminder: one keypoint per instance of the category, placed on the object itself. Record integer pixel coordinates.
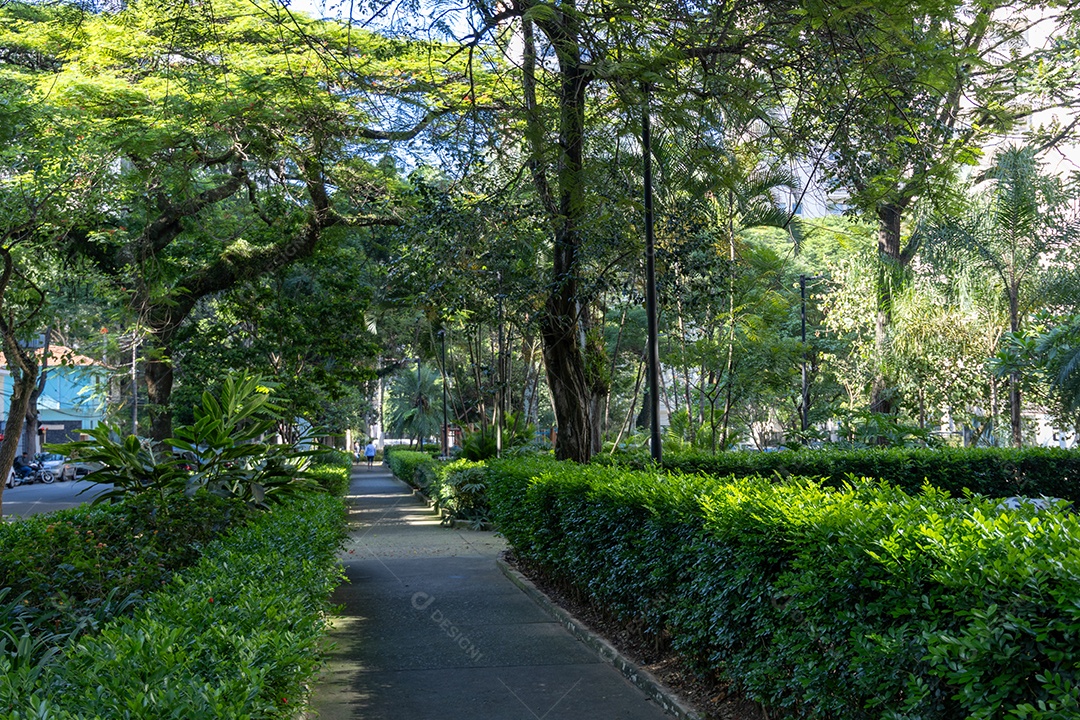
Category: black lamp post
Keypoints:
(419, 407)
(445, 429)
(805, 404)
(650, 285)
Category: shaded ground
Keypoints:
(432, 629)
(711, 699)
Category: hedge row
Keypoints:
(74, 568)
(854, 603)
(405, 464)
(331, 469)
(67, 575)
(458, 487)
(994, 472)
(235, 636)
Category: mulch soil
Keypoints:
(712, 700)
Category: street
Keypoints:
(38, 498)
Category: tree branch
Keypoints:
(162, 231)
(403, 135)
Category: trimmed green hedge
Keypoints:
(994, 472)
(66, 574)
(236, 636)
(459, 486)
(79, 565)
(405, 464)
(331, 470)
(856, 603)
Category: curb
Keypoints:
(642, 679)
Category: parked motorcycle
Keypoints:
(29, 474)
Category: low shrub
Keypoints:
(223, 452)
(405, 464)
(460, 488)
(235, 636)
(68, 563)
(994, 472)
(854, 602)
(330, 469)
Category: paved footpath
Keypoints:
(432, 630)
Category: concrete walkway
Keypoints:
(432, 630)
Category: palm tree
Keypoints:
(1007, 232)
(1058, 352)
(413, 410)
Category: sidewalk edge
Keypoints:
(643, 679)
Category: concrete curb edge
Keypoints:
(643, 679)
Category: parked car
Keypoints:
(62, 467)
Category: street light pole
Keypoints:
(419, 407)
(805, 405)
(805, 381)
(445, 429)
(650, 285)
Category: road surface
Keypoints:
(26, 500)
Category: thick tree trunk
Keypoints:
(562, 333)
(159, 384)
(24, 376)
(569, 391)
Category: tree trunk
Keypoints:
(561, 330)
(529, 400)
(32, 412)
(729, 367)
(889, 259)
(1014, 378)
(24, 375)
(690, 418)
(159, 383)
(633, 403)
(563, 356)
(596, 375)
(611, 371)
(566, 377)
(726, 417)
(993, 410)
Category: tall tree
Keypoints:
(904, 102)
(39, 182)
(1012, 230)
(576, 55)
(236, 133)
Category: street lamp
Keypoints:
(445, 430)
(419, 408)
(650, 283)
(805, 405)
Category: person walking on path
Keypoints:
(369, 453)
